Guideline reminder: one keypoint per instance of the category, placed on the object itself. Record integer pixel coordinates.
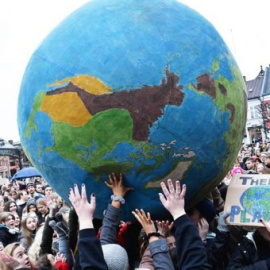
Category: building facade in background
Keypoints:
(12, 158)
(258, 112)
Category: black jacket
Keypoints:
(6, 237)
(191, 253)
(247, 257)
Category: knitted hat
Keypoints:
(115, 256)
(206, 209)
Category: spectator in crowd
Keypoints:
(15, 257)
(31, 206)
(260, 168)
(251, 166)
(42, 211)
(22, 201)
(11, 206)
(28, 231)
(265, 156)
(237, 170)
(32, 194)
(17, 220)
(8, 232)
(47, 192)
(253, 250)
(39, 188)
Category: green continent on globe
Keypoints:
(152, 92)
(116, 115)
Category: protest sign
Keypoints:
(248, 199)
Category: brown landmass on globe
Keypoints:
(145, 104)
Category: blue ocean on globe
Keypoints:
(146, 88)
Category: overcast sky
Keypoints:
(243, 24)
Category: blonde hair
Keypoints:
(9, 249)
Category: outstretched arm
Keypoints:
(91, 256)
(158, 247)
(111, 218)
(190, 249)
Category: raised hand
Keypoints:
(266, 224)
(83, 208)
(117, 185)
(174, 199)
(222, 225)
(145, 220)
(203, 228)
(164, 227)
(60, 258)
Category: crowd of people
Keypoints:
(40, 231)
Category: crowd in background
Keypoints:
(38, 230)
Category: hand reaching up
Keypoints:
(203, 228)
(117, 185)
(174, 199)
(266, 224)
(164, 227)
(83, 208)
(145, 220)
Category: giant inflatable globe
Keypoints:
(146, 88)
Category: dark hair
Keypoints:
(7, 206)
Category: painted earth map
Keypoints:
(146, 88)
(255, 201)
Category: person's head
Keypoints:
(237, 170)
(7, 219)
(30, 188)
(265, 157)
(47, 191)
(34, 216)
(10, 206)
(115, 256)
(203, 209)
(172, 249)
(13, 195)
(39, 188)
(258, 153)
(250, 164)
(28, 228)
(23, 196)
(260, 168)
(17, 252)
(17, 221)
(42, 206)
(29, 223)
(31, 206)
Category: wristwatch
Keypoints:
(157, 234)
(118, 198)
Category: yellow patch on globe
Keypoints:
(90, 84)
(66, 107)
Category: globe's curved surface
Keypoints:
(147, 88)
